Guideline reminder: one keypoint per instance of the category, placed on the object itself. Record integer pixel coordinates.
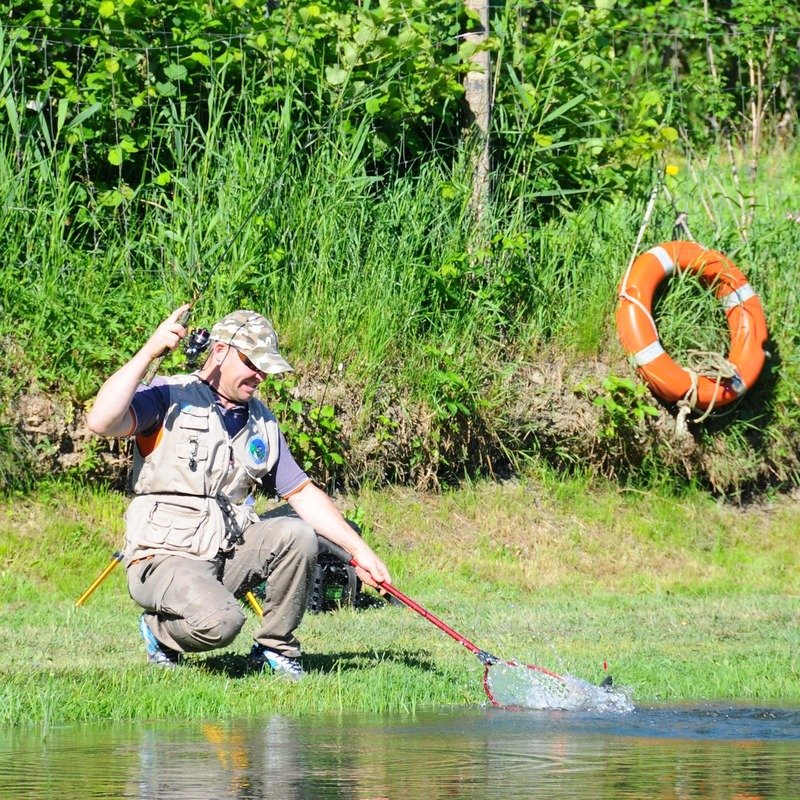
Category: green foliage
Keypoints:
(689, 317)
(88, 464)
(719, 62)
(349, 275)
(309, 162)
(572, 115)
(358, 516)
(313, 431)
(112, 78)
(448, 387)
(568, 119)
(16, 460)
(624, 404)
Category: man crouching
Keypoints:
(194, 543)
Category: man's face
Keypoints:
(239, 377)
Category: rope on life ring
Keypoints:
(696, 386)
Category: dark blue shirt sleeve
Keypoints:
(149, 406)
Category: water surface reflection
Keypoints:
(684, 753)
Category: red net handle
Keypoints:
(486, 658)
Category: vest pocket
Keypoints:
(192, 451)
(193, 418)
(173, 525)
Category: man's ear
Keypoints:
(219, 351)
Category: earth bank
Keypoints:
(580, 416)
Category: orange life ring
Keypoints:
(639, 337)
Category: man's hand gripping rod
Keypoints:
(155, 364)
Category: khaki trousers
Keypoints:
(192, 606)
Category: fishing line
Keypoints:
(200, 339)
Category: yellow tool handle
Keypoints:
(100, 578)
(251, 598)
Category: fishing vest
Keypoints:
(191, 481)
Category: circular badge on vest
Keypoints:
(257, 449)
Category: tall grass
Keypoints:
(378, 280)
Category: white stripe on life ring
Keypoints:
(648, 354)
(737, 297)
(664, 259)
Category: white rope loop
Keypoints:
(708, 364)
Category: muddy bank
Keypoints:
(572, 416)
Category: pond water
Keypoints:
(685, 752)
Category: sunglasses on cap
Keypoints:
(246, 361)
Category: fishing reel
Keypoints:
(194, 345)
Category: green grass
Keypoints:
(685, 599)
(379, 295)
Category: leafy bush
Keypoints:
(113, 77)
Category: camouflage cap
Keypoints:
(254, 336)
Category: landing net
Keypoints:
(510, 684)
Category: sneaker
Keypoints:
(263, 658)
(157, 653)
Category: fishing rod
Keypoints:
(193, 347)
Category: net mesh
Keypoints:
(513, 685)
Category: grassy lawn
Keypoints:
(684, 598)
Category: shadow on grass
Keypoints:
(333, 662)
(234, 665)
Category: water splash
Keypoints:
(514, 685)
